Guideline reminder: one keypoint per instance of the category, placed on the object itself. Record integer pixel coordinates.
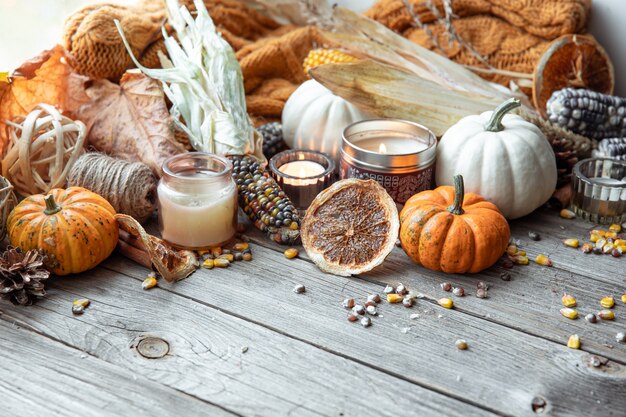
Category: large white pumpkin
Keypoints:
(314, 119)
(502, 157)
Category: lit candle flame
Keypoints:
(301, 173)
(301, 157)
(382, 148)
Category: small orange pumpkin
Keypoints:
(450, 231)
(75, 228)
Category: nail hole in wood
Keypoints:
(153, 347)
(539, 405)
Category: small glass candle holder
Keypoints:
(599, 190)
(197, 201)
(400, 155)
(302, 174)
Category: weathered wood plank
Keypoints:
(277, 376)
(41, 377)
(503, 370)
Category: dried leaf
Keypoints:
(130, 120)
(48, 78)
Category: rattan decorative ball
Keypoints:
(42, 148)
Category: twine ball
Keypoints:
(130, 187)
(42, 148)
(7, 204)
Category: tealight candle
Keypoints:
(400, 155)
(302, 174)
(197, 201)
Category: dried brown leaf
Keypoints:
(47, 78)
(130, 120)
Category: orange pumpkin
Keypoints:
(447, 230)
(75, 228)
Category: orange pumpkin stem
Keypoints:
(51, 206)
(459, 195)
(495, 122)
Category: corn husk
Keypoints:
(202, 78)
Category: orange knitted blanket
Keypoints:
(270, 55)
(506, 35)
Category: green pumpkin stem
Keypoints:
(495, 123)
(51, 206)
(459, 194)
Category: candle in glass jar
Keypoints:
(392, 146)
(197, 206)
(302, 170)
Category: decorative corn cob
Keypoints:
(325, 56)
(588, 113)
(273, 141)
(264, 202)
(614, 148)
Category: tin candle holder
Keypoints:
(302, 174)
(599, 190)
(400, 155)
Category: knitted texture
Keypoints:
(506, 35)
(129, 187)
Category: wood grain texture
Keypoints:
(277, 376)
(503, 370)
(41, 377)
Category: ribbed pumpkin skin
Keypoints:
(441, 241)
(77, 238)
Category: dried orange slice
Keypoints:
(350, 227)
(577, 61)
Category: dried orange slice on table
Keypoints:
(350, 227)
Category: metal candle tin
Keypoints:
(402, 175)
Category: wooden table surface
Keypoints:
(239, 341)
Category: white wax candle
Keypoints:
(200, 216)
(303, 170)
(391, 145)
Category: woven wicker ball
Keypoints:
(7, 203)
(42, 149)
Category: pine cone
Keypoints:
(22, 275)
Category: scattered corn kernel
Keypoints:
(573, 342)
(394, 298)
(520, 253)
(348, 303)
(203, 252)
(352, 317)
(598, 232)
(568, 300)
(241, 246)
(607, 302)
(366, 322)
(587, 248)
(520, 260)
(615, 228)
(572, 243)
(216, 251)
(221, 263)
(608, 248)
(228, 256)
(567, 214)
(83, 302)
(291, 253)
(619, 242)
(570, 313)
(591, 318)
(620, 337)
(358, 309)
(611, 235)
(446, 286)
(446, 302)
(624, 298)
(511, 249)
(606, 315)
(208, 263)
(600, 243)
(148, 283)
(299, 289)
(594, 237)
(247, 257)
(543, 260)
(461, 344)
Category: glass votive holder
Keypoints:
(302, 174)
(599, 190)
(197, 201)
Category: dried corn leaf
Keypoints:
(48, 78)
(130, 120)
(388, 92)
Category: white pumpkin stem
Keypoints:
(51, 206)
(495, 122)
(459, 195)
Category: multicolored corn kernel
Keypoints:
(607, 302)
(521, 253)
(606, 314)
(348, 303)
(228, 256)
(352, 317)
(608, 248)
(358, 309)
(591, 318)
(619, 242)
(148, 283)
(241, 246)
(458, 291)
(291, 253)
(587, 248)
(389, 290)
(366, 322)
(208, 263)
(216, 251)
(620, 337)
(595, 237)
(374, 297)
(221, 263)
(624, 298)
(567, 214)
(481, 293)
(371, 310)
(573, 342)
(446, 286)
(568, 300)
(569, 313)
(446, 302)
(299, 289)
(598, 232)
(79, 305)
(543, 260)
(247, 257)
(401, 289)
(461, 344)
(611, 235)
(600, 243)
(407, 302)
(511, 249)
(615, 228)
(572, 243)
(534, 236)
(520, 260)
(616, 253)
(394, 298)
